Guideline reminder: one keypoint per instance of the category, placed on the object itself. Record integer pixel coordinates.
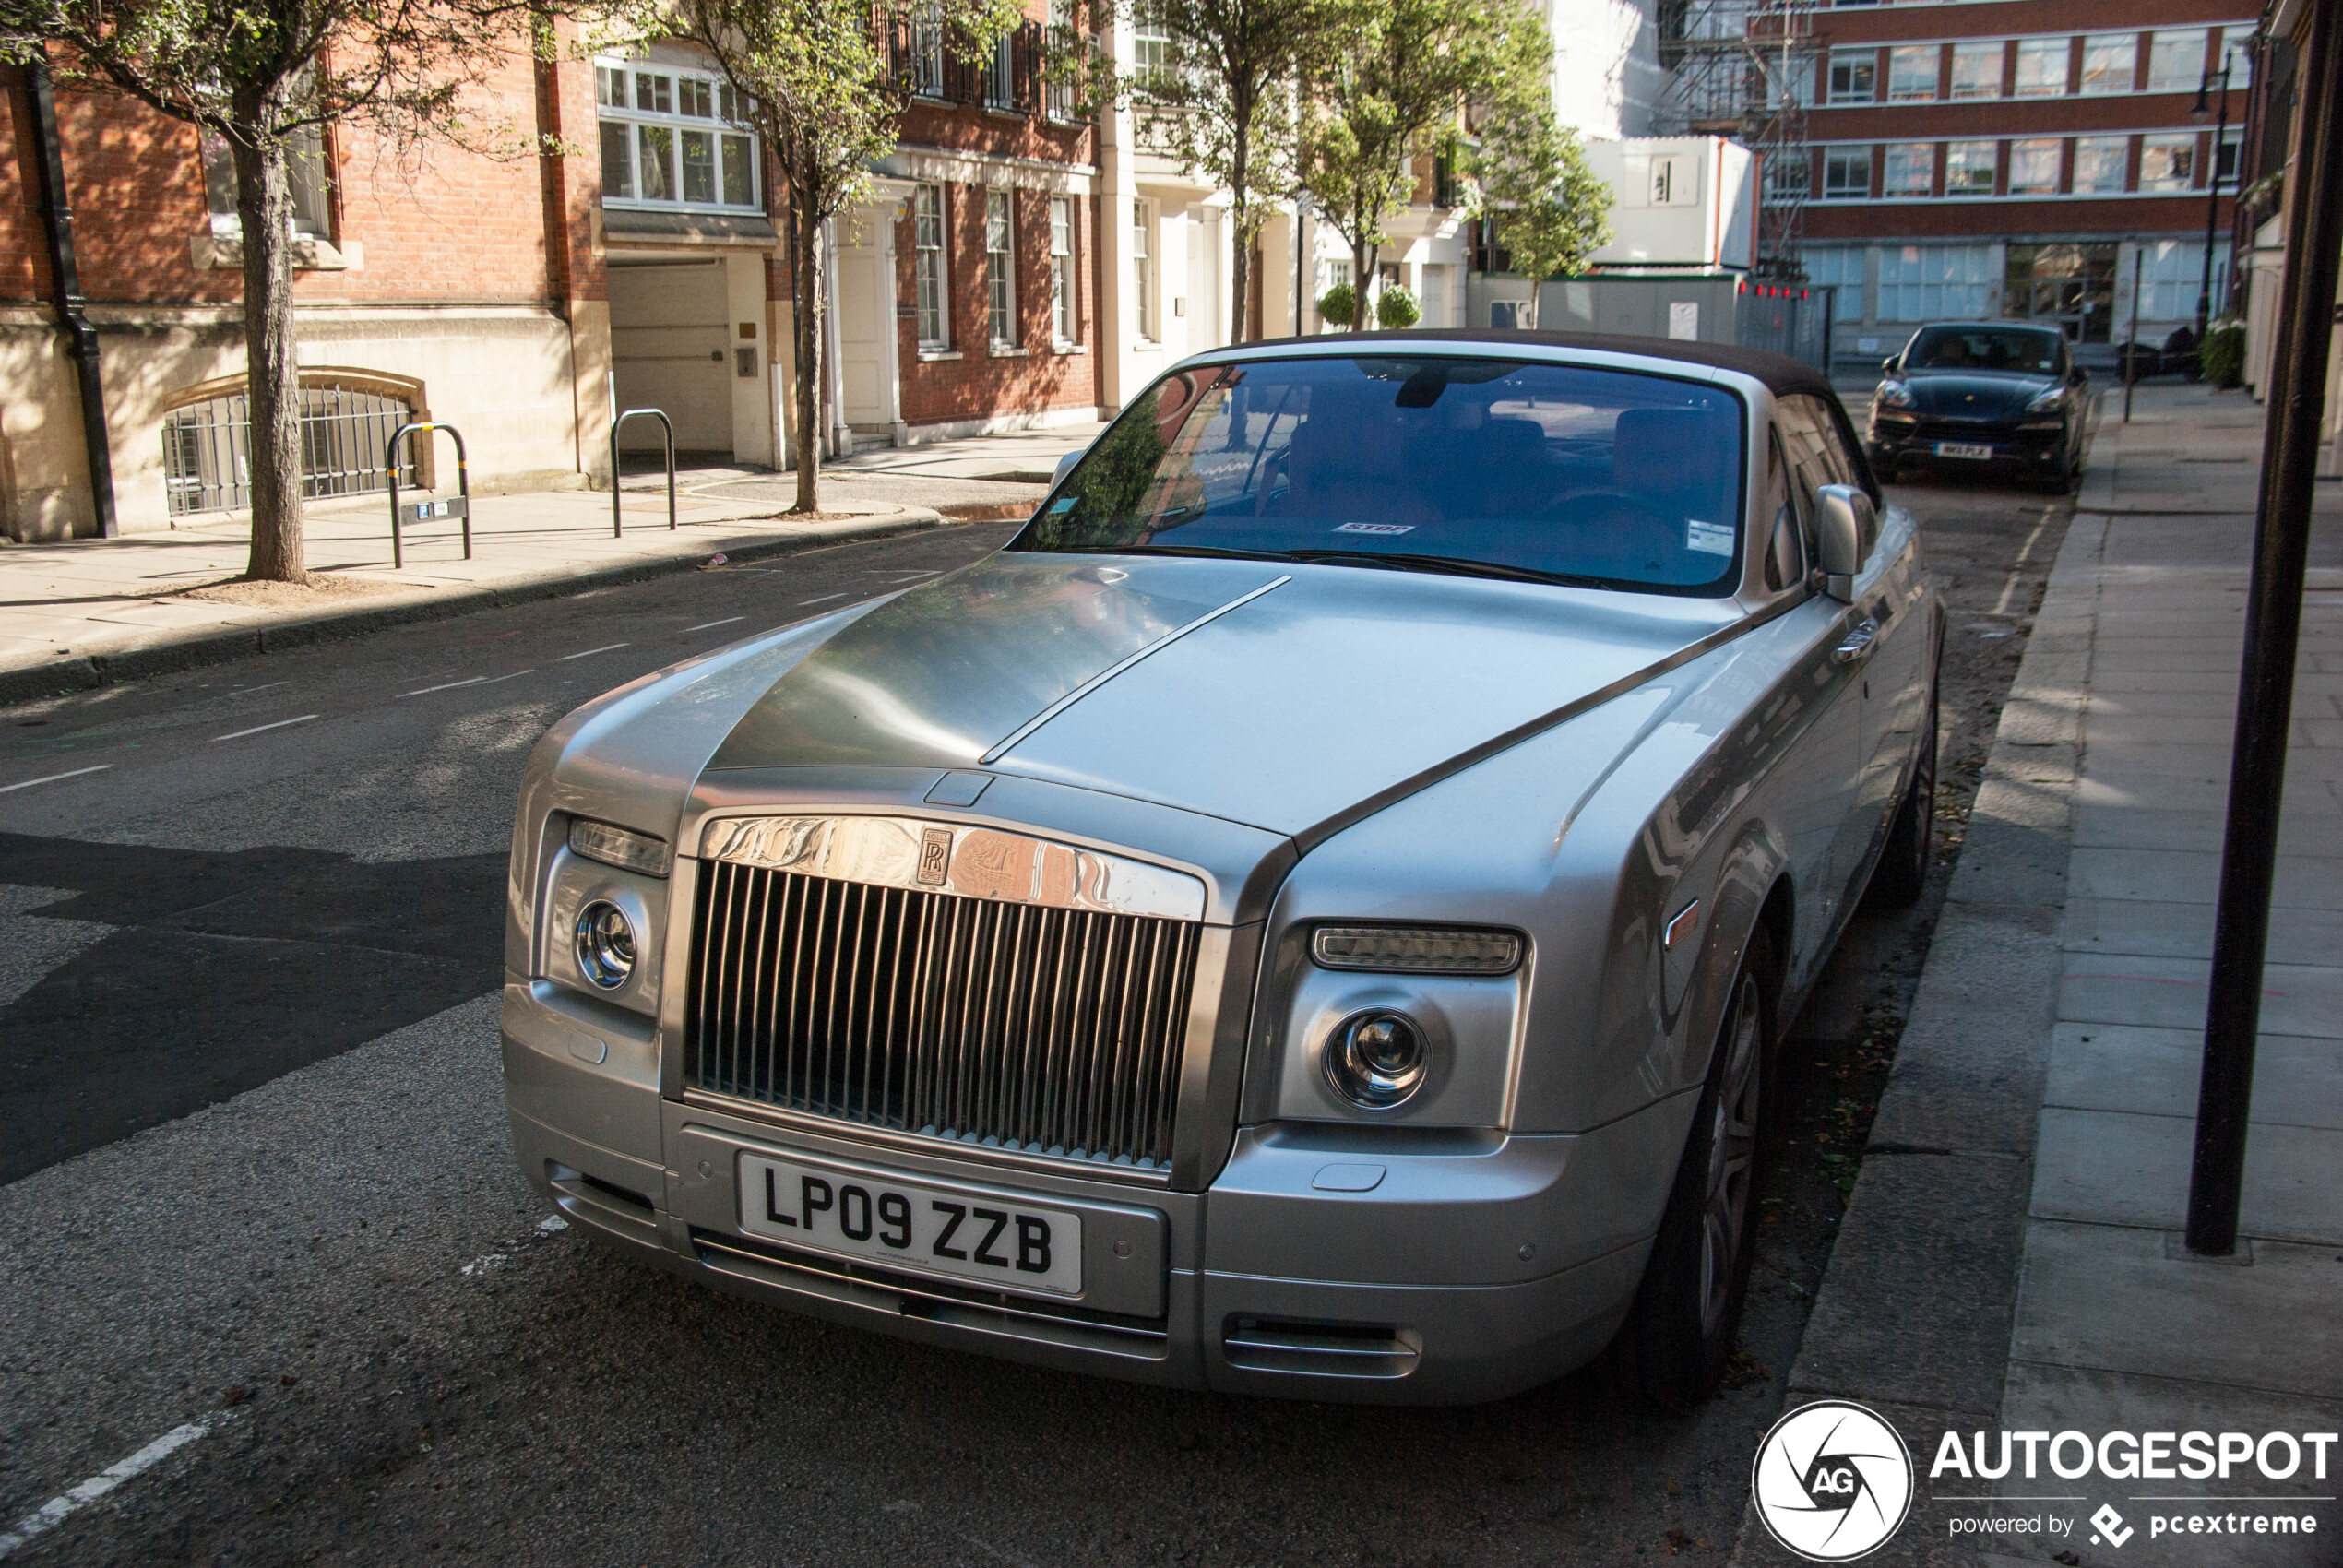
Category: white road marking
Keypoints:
(53, 777)
(54, 1512)
(240, 734)
(727, 621)
(907, 577)
(589, 653)
(426, 691)
(552, 1223)
(2000, 606)
(240, 690)
(824, 600)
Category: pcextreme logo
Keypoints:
(1832, 1481)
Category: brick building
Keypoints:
(2012, 158)
(526, 300)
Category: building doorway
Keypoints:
(2073, 284)
(668, 337)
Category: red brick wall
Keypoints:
(2050, 218)
(24, 258)
(137, 181)
(979, 384)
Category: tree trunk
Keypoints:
(272, 372)
(806, 320)
(1240, 208)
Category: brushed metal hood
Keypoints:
(1284, 712)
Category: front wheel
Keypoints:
(1679, 1333)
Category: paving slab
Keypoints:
(2119, 1167)
(2297, 1080)
(2180, 1312)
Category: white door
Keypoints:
(668, 337)
(1434, 303)
(865, 318)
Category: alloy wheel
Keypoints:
(1733, 1155)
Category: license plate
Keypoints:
(978, 1237)
(1964, 449)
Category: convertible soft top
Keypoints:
(1779, 371)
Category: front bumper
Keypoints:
(2039, 452)
(1474, 1267)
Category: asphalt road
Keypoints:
(259, 1188)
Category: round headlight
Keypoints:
(1377, 1060)
(605, 945)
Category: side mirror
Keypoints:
(1065, 467)
(1889, 365)
(1845, 526)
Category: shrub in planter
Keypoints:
(1337, 304)
(1395, 308)
(2223, 353)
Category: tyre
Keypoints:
(1902, 871)
(1679, 1333)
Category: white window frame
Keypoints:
(1838, 267)
(1151, 42)
(2158, 148)
(2176, 59)
(931, 271)
(650, 105)
(2047, 53)
(927, 51)
(1000, 266)
(1065, 318)
(1968, 158)
(1846, 157)
(2085, 146)
(1789, 173)
(307, 174)
(1143, 319)
(2119, 53)
(1918, 162)
(2029, 148)
(1912, 73)
(1856, 65)
(1935, 282)
(1994, 53)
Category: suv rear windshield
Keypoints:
(1495, 468)
(2015, 349)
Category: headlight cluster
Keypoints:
(1377, 1058)
(605, 945)
(2053, 401)
(1895, 394)
(618, 847)
(1416, 950)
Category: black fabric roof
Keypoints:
(1779, 371)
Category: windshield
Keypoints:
(1494, 467)
(2015, 349)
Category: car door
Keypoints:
(1822, 772)
(1885, 643)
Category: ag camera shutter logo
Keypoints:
(1832, 1481)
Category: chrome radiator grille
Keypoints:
(1044, 1031)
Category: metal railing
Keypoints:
(207, 447)
(668, 427)
(459, 508)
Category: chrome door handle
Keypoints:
(1856, 644)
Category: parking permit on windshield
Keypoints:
(1375, 528)
(1709, 539)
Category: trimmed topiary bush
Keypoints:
(1337, 305)
(2222, 355)
(1395, 308)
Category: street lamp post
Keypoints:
(2212, 187)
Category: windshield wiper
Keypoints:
(1449, 566)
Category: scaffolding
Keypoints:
(1745, 69)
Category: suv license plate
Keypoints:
(1964, 449)
(974, 1236)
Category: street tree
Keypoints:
(821, 81)
(265, 75)
(1530, 180)
(1398, 92)
(1217, 93)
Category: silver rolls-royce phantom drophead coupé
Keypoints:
(1307, 917)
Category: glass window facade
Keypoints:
(2102, 164)
(2042, 67)
(1969, 167)
(1912, 72)
(2176, 61)
(1840, 270)
(1854, 75)
(1847, 172)
(2033, 166)
(1977, 70)
(2110, 62)
(1911, 168)
(2167, 161)
(1935, 282)
(674, 137)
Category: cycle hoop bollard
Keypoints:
(419, 511)
(667, 428)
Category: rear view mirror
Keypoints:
(1845, 526)
(1065, 467)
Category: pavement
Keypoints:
(2010, 1260)
(82, 612)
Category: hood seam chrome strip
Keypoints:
(1018, 735)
